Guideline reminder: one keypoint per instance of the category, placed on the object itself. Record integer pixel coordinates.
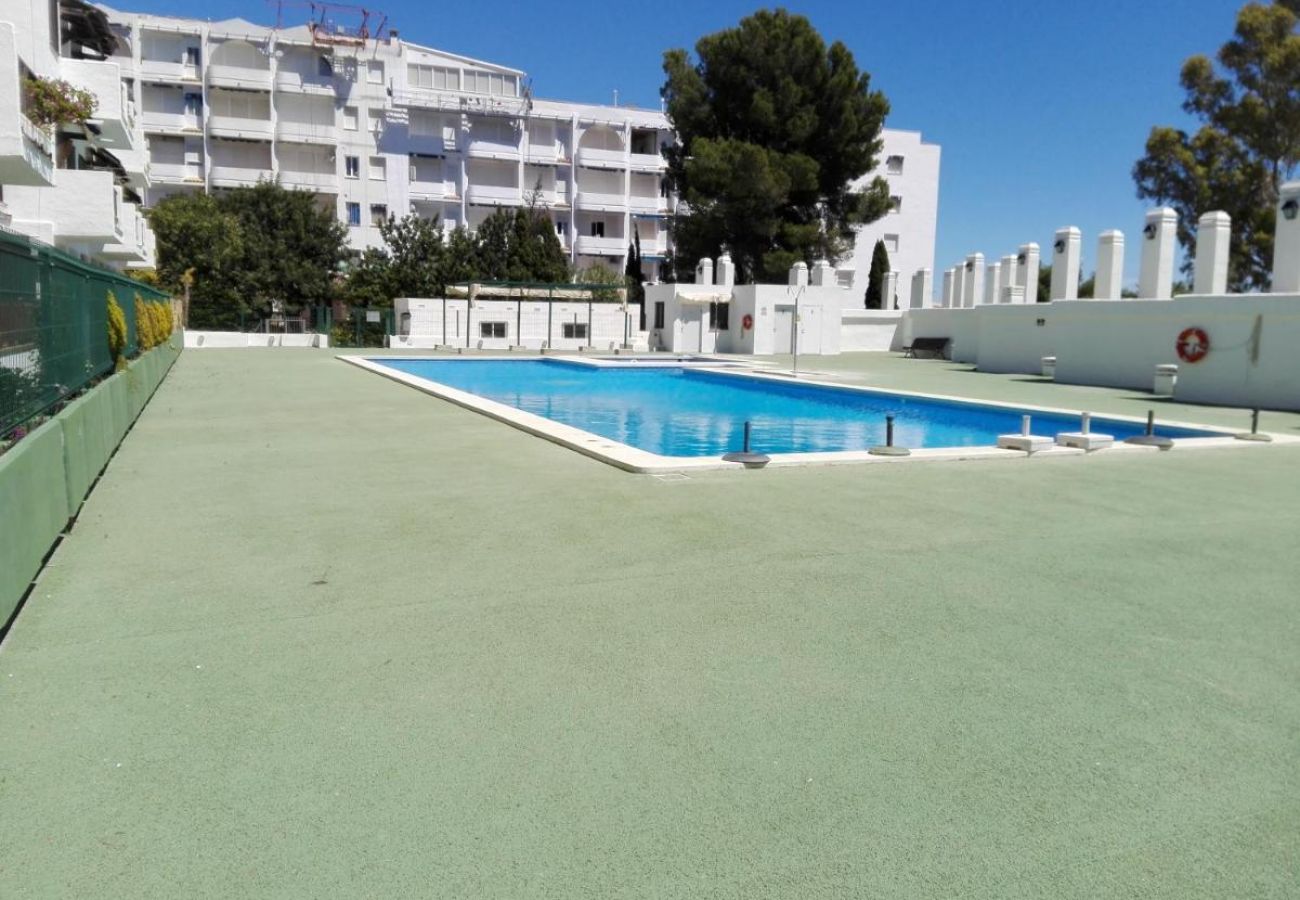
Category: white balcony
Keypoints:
(114, 110)
(298, 83)
(544, 154)
(493, 196)
(307, 132)
(168, 71)
(241, 77)
(176, 173)
(602, 246)
(601, 159)
(129, 246)
(83, 206)
(486, 149)
(654, 246)
(601, 202)
(312, 181)
(646, 162)
(237, 176)
(550, 197)
(26, 152)
(640, 204)
(240, 127)
(170, 123)
(427, 190)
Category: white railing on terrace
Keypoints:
(169, 121)
(594, 200)
(639, 203)
(175, 172)
(308, 132)
(588, 156)
(647, 161)
(427, 190)
(238, 176)
(241, 126)
(238, 76)
(491, 148)
(297, 81)
(300, 179)
(167, 70)
(602, 246)
(482, 193)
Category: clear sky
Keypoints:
(1041, 107)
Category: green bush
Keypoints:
(116, 332)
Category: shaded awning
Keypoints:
(87, 27)
(684, 297)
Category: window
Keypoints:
(719, 316)
(891, 243)
(324, 68)
(352, 166)
(373, 120)
(598, 229)
(192, 56)
(375, 72)
(378, 214)
(894, 165)
(575, 330)
(378, 168)
(354, 214)
(895, 203)
(659, 314)
(492, 329)
(561, 228)
(350, 118)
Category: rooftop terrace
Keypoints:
(339, 638)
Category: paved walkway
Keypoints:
(316, 634)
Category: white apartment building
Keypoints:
(78, 187)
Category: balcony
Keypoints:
(26, 152)
(544, 154)
(654, 246)
(642, 205)
(158, 122)
(551, 197)
(601, 202)
(240, 127)
(601, 159)
(602, 246)
(481, 148)
(129, 246)
(168, 71)
(488, 195)
(241, 77)
(237, 176)
(427, 190)
(311, 181)
(646, 162)
(176, 173)
(307, 132)
(300, 83)
(114, 110)
(81, 207)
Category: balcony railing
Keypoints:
(494, 196)
(641, 204)
(647, 162)
(220, 75)
(602, 246)
(176, 173)
(655, 246)
(601, 159)
(545, 154)
(427, 190)
(167, 70)
(488, 149)
(295, 178)
(238, 176)
(603, 202)
(114, 112)
(286, 80)
(169, 122)
(239, 127)
(307, 132)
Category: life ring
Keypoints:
(1193, 345)
(747, 322)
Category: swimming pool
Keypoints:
(687, 412)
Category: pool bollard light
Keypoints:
(888, 448)
(1026, 441)
(1150, 438)
(1254, 433)
(1085, 438)
(747, 457)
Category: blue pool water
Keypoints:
(687, 412)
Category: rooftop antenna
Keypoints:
(616, 96)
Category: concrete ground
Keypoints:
(318, 634)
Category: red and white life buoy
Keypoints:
(747, 322)
(1193, 345)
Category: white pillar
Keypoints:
(726, 271)
(973, 283)
(1213, 234)
(1109, 282)
(798, 274)
(1286, 241)
(958, 285)
(1006, 278)
(823, 275)
(889, 290)
(1156, 279)
(1027, 271)
(921, 288)
(1065, 264)
(992, 275)
(948, 276)
(704, 271)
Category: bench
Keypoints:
(935, 346)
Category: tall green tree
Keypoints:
(635, 274)
(876, 298)
(1247, 145)
(194, 234)
(519, 245)
(773, 128)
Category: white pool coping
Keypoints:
(633, 459)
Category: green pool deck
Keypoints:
(317, 634)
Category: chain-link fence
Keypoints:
(54, 325)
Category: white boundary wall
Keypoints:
(229, 340)
(526, 323)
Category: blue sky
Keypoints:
(1041, 108)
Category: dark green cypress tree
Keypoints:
(876, 278)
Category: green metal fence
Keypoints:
(54, 325)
